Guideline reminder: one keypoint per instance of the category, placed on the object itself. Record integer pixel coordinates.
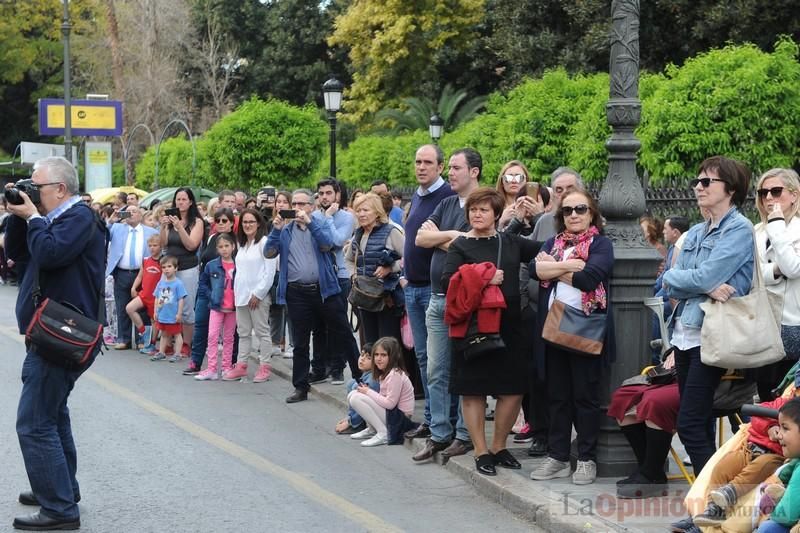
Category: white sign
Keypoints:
(32, 152)
(98, 165)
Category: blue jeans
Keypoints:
(445, 408)
(417, 299)
(200, 333)
(45, 435)
(772, 527)
(697, 383)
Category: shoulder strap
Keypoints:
(499, 248)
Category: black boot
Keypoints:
(650, 481)
(637, 439)
(658, 444)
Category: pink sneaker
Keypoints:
(237, 372)
(263, 374)
(207, 375)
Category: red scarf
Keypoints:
(589, 300)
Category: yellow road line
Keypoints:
(313, 491)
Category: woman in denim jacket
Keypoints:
(716, 262)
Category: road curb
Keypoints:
(512, 491)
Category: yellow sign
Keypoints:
(90, 117)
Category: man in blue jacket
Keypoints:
(126, 251)
(66, 244)
(307, 283)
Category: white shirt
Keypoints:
(254, 273)
(433, 188)
(784, 250)
(125, 261)
(565, 292)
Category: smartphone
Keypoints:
(172, 212)
(266, 212)
(287, 213)
(269, 191)
(533, 189)
(123, 215)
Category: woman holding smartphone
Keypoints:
(181, 235)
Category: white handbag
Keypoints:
(744, 332)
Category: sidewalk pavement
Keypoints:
(555, 505)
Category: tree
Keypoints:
(392, 45)
(264, 142)
(453, 108)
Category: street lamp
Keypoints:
(332, 92)
(65, 28)
(435, 127)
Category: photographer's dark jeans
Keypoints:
(123, 281)
(45, 435)
(696, 385)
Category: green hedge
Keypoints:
(736, 101)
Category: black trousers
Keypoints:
(123, 282)
(573, 387)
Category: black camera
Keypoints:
(28, 187)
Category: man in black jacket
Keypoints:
(61, 237)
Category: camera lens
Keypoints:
(12, 196)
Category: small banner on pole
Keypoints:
(89, 117)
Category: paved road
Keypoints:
(161, 452)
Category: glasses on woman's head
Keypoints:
(514, 178)
(776, 192)
(567, 210)
(704, 181)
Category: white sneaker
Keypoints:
(207, 375)
(551, 469)
(585, 473)
(363, 434)
(375, 440)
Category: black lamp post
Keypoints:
(332, 91)
(436, 127)
(65, 29)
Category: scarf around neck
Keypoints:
(590, 300)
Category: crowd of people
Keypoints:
(485, 279)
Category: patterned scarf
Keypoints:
(589, 300)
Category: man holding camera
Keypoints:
(308, 283)
(127, 250)
(67, 245)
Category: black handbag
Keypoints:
(367, 292)
(476, 344)
(59, 332)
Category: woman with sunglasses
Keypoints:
(778, 241)
(223, 223)
(574, 267)
(716, 262)
(511, 181)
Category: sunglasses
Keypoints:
(580, 209)
(776, 192)
(222, 221)
(514, 178)
(705, 182)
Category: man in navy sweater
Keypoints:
(416, 280)
(63, 239)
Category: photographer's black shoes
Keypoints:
(40, 522)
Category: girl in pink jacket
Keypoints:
(396, 391)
